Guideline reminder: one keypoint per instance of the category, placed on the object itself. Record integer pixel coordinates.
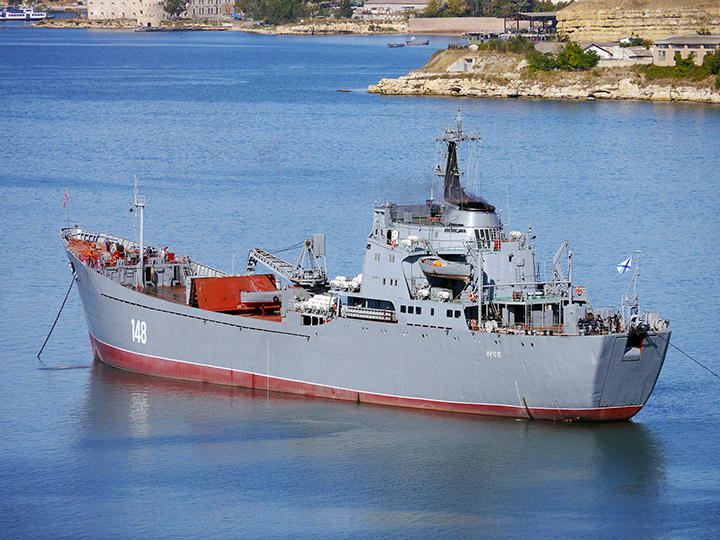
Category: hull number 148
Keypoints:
(139, 331)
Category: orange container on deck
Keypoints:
(223, 293)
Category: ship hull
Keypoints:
(543, 377)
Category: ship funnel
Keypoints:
(453, 191)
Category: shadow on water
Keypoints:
(58, 368)
(116, 392)
(467, 474)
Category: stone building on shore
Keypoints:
(145, 12)
(664, 50)
(151, 12)
(210, 9)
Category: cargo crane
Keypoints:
(308, 275)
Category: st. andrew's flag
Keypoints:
(624, 266)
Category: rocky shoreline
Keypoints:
(495, 75)
(326, 27)
(123, 24)
(320, 27)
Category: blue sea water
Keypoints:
(242, 141)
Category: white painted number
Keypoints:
(139, 331)
(493, 354)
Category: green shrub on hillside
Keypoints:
(538, 61)
(571, 58)
(516, 44)
(345, 10)
(273, 11)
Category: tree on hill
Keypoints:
(571, 58)
(457, 8)
(712, 62)
(487, 8)
(273, 11)
(345, 10)
(548, 5)
(175, 8)
(450, 8)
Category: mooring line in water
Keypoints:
(690, 357)
(48, 368)
(56, 319)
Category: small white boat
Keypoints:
(435, 266)
(24, 14)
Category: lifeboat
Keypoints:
(435, 266)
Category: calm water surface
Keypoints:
(244, 141)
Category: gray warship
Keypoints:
(449, 313)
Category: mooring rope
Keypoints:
(690, 357)
(56, 319)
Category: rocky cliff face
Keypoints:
(610, 20)
(494, 75)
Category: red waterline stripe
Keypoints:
(161, 367)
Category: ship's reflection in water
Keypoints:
(282, 465)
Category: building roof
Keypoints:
(689, 39)
(638, 52)
(552, 47)
(599, 44)
(538, 14)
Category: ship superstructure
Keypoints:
(449, 313)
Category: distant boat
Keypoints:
(25, 14)
(413, 41)
(393, 45)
